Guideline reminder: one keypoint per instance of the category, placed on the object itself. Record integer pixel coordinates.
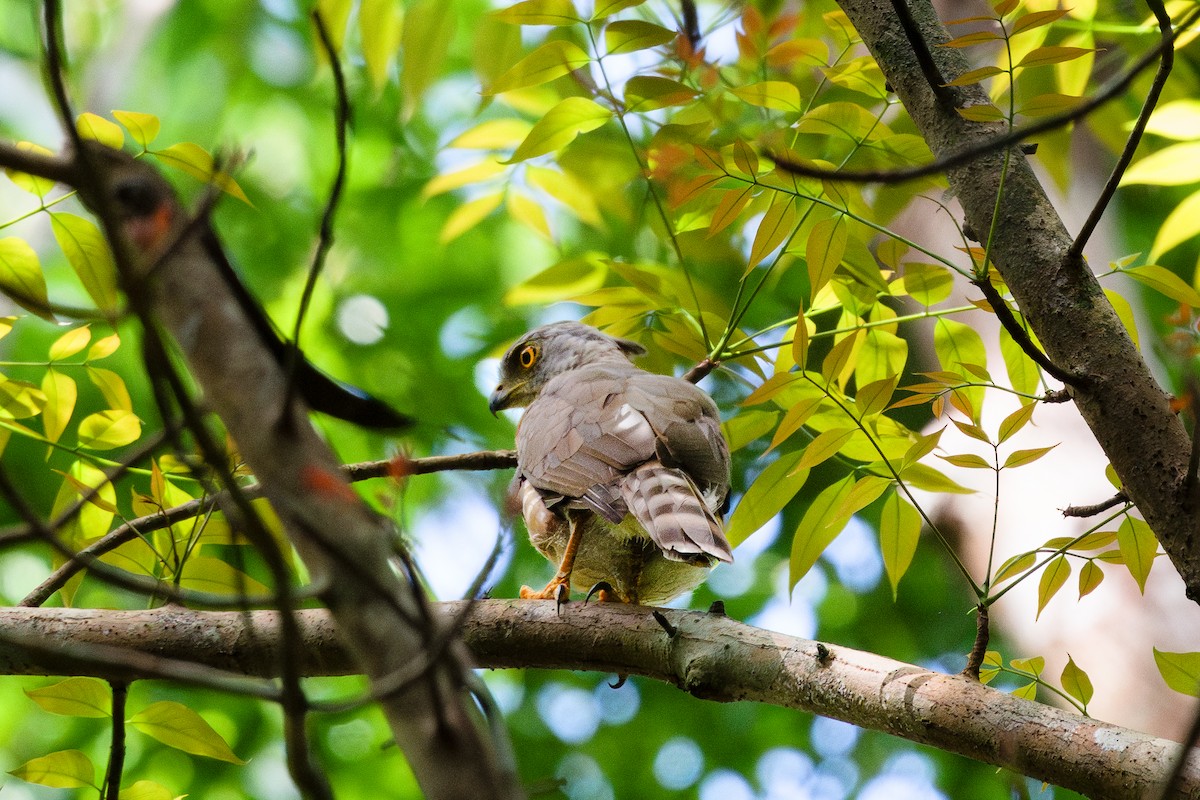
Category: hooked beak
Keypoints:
(499, 398)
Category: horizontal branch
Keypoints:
(709, 656)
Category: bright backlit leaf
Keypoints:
(88, 253)
(824, 250)
(105, 430)
(560, 126)
(468, 215)
(766, 497)
(425, 40)
(98, 129)
(146, 790)
(605, 8)
(25, 181)
(379, 26)
(66, 769)
(1015, 421)
(197, 162)
(142, 127)
(824, 446)
(1138, 546)
(467, 176)
(776, 225)
(631, 35)
(1180, 671)
(540, 12)
(1019, 458)
(21, 276)
(1090, 576)
(112, 386)
(1054, 576)
(104, 347)
(1015, 566)
(1166, 282)
(549, 61)
(70, 343)
(1076, 682)
(74, 697)
(1181, 224)
(820, 525)
(178, 726)
(778, 95)
(1170, 166)
(899, 532)
(649, 92)
(61, 394)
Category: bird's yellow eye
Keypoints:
(528, 356)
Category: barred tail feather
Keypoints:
(668, 505)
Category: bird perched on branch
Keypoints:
(622, 474)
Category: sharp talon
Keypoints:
(620, 682)
(561, 595)
(603, 591)
(665, 623)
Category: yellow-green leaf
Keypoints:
(1053, 54)
(560, 126)
(335, 14)
(768, 494)
(779, 95)
(105, 430)
(1053, 577)
(98, 129)
(1015, 566)
(525, 210)
(631, 35)
(1180, 671)
(1181, 224)
(820, 525)
(1090, 576)
(922, 447)
(794, 419)
(928, 284)
(104, 347)
(70, 343)
(984, 112)
(21, 276)
(974, 38)
(379, 26)
(207, 574)
(605, 8)
(866, 490)
(800, 340)
(549, 61)
(975, 76)
(1016, 420)
(142, 127)
(967, 461)
(428, 29)
(19, 399)
(112, 386)
(1044, 105)
(74, 697)
(824, 446)
(732, 203)
(468, 215)
(1022, 372)
(61, 394)
(883, 356)
(648, 92)
(88, 253)
(31, 183)
(476, 173)
(824, 250)
(1179, 120)
(1075, 682)
(178, 726)
(776, 225)
(1165, 282)
(899, 532)
(990, 667)
(494, 134)
(1138, 546)
(193, 159)
(874, 397)
(1019, 458)
(1026, 692)
(1170, 166)
(540, 12)
(958, 345)
(568, 191)
(146, 790)
(1030, 666)
(66, 769)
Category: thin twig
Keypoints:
(979, 648)
(1075, 252)
(116, 749)
(1020, 336)
(958, 157)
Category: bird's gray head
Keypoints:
(551, 350)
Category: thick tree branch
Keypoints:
(710, 656)
(1128, 413)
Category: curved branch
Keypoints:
(709, 656)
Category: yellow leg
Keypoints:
(559, 586)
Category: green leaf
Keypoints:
(468, 215)
(1035, 20)
(899, 533)
(984, 112)
(1165, 282)
(631, 35)
(193, 159)
(66, 769)
(98, 129)
(778, 95)
(824, 250)
(967, 461)
(974, 76)
(112, 386)
(88, 253)
(990, 667)
(428, 30)
(1053, 54)
(1043, 105)
(1179, 119)
(529, 213)
(142, 127)
(74, 697)
(1030, 666)
(1138, 546)
(766, 497)
(732, 203)
(61, 394)
(70, 343)
(825, 446)
(1075, 682)
(922, 447)
(564, 188)
(19, 399)
(1015, 566)
(560, 125)
(1019, 458)
(648, 92)
(1181, 224)
(540, 12)
(874, 397)
(1170, 166)
(379, 28)
(492, 134)
(605, 8)
(922, 476)
(866, 490)
(959, 346)
(974, 38)
(1090, 576)
(21, 276)
(794, 419)
(178, 726)
(1180, 671)
(1022, 372)
(105, 430)
(207, 574)
(476, 173)
(820, 525)
(776, 225)
(1026, 692)
(146, 790)
(552, 60)
(1053, 577)
(31, 183)
(1016, 421)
